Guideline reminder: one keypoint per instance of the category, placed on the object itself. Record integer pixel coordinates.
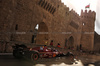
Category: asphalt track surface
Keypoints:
(9, 60)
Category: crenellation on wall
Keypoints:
(88, 14)
(75, 14)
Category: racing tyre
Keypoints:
(34, 56)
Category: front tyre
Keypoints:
(17, 54)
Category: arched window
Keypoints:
(16, 27)
(83, 24)
(47, 7)
(51, 10)
(40, 2)
(70, 42)
(37, 27)
(54, 11)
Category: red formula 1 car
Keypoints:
(20, 51)
(45, 52)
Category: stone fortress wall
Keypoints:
(18, 19)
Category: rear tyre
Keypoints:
(34, 56)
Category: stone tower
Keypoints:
(87, 38)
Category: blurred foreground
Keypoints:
(86, 60)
